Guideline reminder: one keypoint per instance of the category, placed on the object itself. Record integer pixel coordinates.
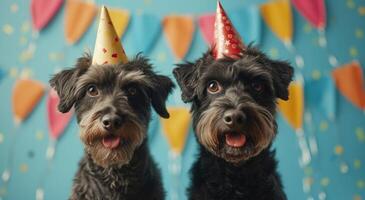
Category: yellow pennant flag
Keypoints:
(78, 17)
(293, 109)
(278, 16)
(120, 19)
(176, 128)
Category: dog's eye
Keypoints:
(132, 91)
(92, 91)
(258, 87)
(214, 87)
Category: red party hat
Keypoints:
(227, 40)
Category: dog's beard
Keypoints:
(259, 131)
(131, 134)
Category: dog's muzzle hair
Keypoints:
(259, 127)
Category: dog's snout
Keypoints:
(234, 118)
(111, 121)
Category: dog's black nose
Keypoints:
(234, 118)
(111, 121)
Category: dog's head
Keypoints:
(112, 104)
(234, 100)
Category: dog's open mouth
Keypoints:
(111, 141)
(235, 139)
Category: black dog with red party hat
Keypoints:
(233, 90)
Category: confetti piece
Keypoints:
(147, 1)
(325, 181)
(344, 168)
(274, 53)
(13, 72)
(307, 183)
(8, 29)
(161, 57)
(39, 135)
(1, 138)
(361, 10)
(308, 171)
(25, 27)
(307, 28)
(339, 150)
(350, 4)
(357, 164)
(23, 168)
(23, 40)
(316, 74)
(360, 184)
(56, 56)
(323, 126)
(353, 51)
(360, 134)
(359, 33)
(26, 73)
(357, 197)
(14, 8)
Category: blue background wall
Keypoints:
(346, 40)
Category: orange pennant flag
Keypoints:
(278, 16)
(26, 94)
(78, 17)
(120, 20)
(179, 32)
(176, 128)
(350, 82)
(293, 109)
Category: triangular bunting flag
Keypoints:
(42, 11)
(120, 19)
(350, 82)
(141, 24)
(312, 10)
(248, 23)
(278, 17)
(79, 16)
(206, 25)
(26, 95)
(179, 32)
(320, 95)
(293, 109)
(176, 128)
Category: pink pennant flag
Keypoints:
(42, 11)
(312, 10)
(206, 24)
(57, 121)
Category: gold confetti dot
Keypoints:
(308, 181)
(307, 28)
(350, 4)
(25, 27)
(325, 181)
(360, 184)
(361, 10)
(23, 40)
(360, 134)
(8, 29)
(339, 150)
(26, 73)
(357, 164)
(1, 138)
(25, 55)
(23, 168)
(13, 72)
(55, 56)
(3, 191)
(274, 52)
(14, 8)
(353, 51)
(316, 74)
(39, 135)
(308, 171)
(359, 33)
(323, 126)
(357, 197)
(147, 1)
(161, 57)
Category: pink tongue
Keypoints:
(235, 140)
(111, 141)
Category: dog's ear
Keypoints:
(186, 77)
(160, 91)
(64, 83)
(283, 74)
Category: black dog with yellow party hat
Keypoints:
(112, 98)
(233, 90)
